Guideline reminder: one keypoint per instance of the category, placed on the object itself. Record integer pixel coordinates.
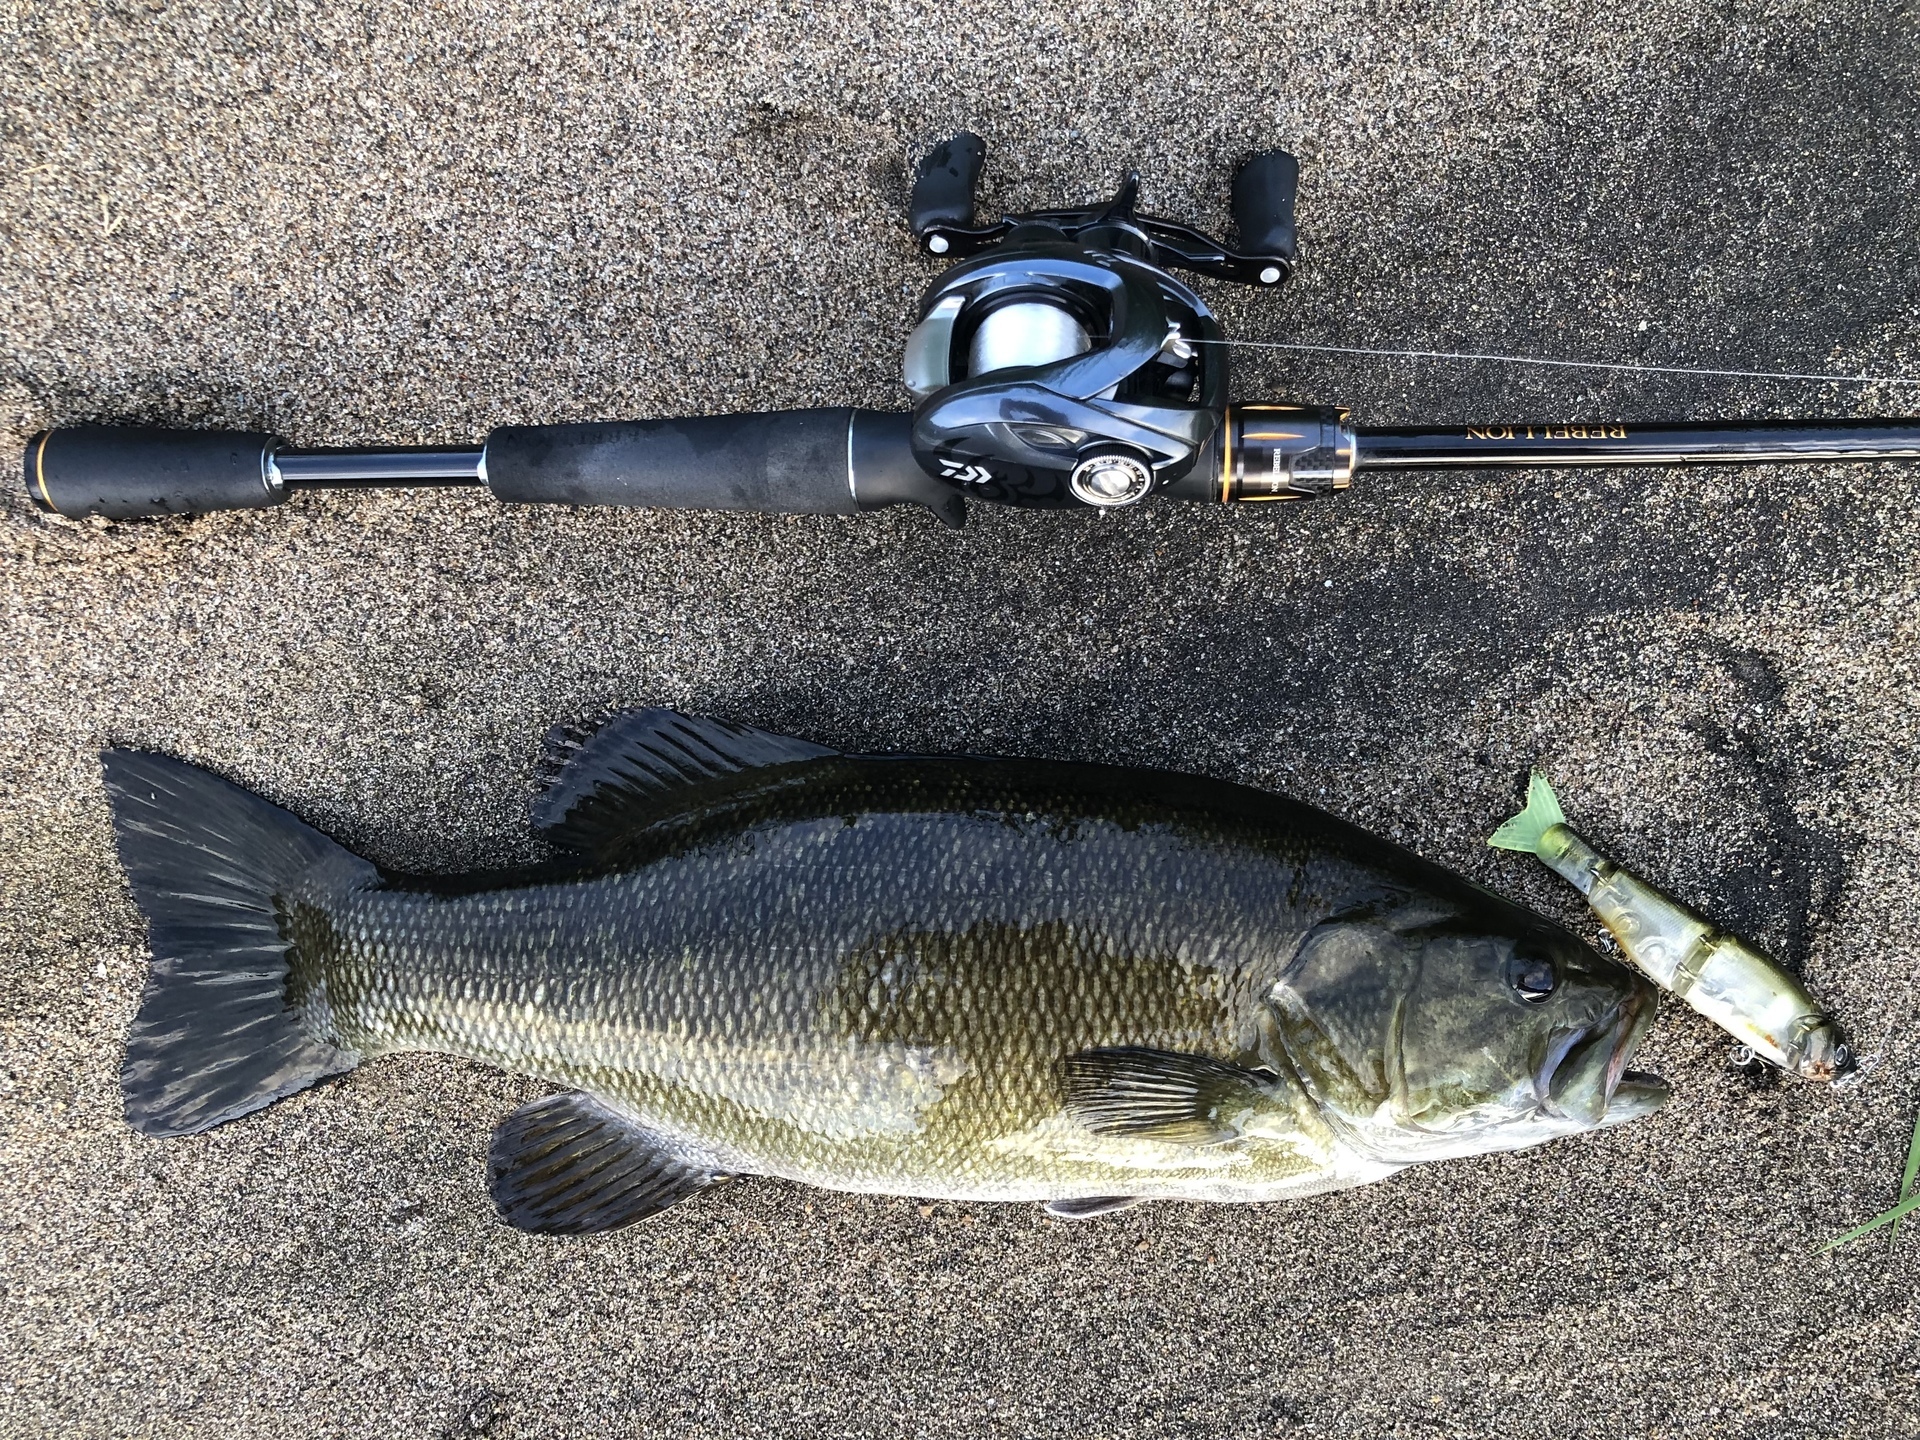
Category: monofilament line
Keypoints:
(1566, 364)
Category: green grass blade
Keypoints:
(1913, 1173)
(1904, 1208)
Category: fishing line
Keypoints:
(1564, 364)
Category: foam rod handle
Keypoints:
(787, 462)
(1263, 193)
(128, 471)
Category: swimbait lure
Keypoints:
(1720, 975)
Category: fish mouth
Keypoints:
(1583, 1076)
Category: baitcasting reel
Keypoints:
(1060, 363)
(1066, 363)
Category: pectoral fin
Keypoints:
(571, 1165)
(1162, 1095)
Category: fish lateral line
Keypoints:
(1267, 975)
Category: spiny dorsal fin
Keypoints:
(572, 1165)
(1161, 1095)
(606, 782)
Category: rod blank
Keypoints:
(1688, 442)
(409, 465)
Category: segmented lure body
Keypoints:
(1720, 975)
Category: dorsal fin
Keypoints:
(604, 782)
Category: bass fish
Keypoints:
(1719, 975)
(943, 976)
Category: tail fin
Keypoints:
(1524, 830)
(233, 1017)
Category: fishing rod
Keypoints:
(1060, 363)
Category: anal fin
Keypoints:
(1091, 1206)
(572, 1165)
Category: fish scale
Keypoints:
(679, 990)
(952, 977)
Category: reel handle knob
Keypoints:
(943, 186)
(1264, 188)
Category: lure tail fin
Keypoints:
(1525, 830)
(234, 1014)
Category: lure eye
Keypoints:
(1532, 977)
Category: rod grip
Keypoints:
(129, 471)
(832, 461)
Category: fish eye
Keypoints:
(1532, 976)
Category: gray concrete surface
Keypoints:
(416, 222)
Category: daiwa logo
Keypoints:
(966, 474)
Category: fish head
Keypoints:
(1465, 1036)
(1533, 1025)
